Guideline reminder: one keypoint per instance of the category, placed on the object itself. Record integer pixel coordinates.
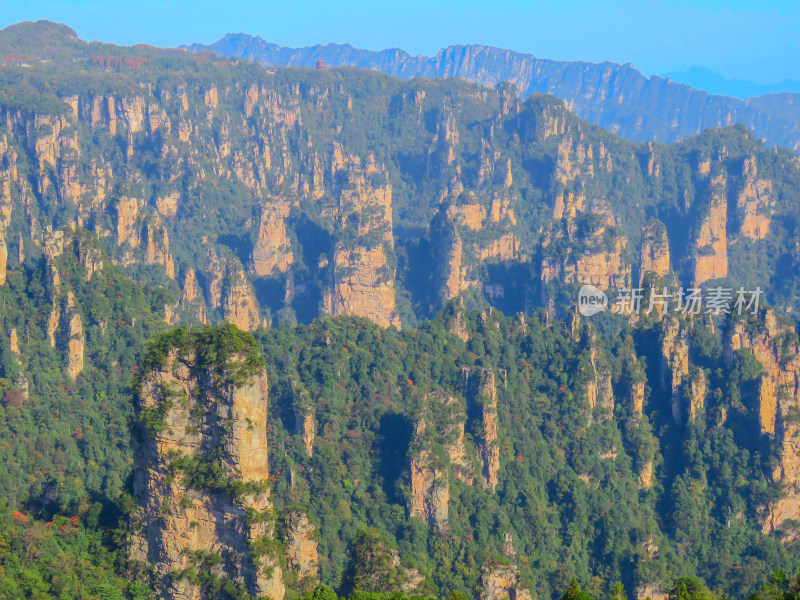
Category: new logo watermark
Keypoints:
(691, 301)
(591, 300)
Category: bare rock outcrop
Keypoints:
(711, 242)
(584, 245)
(13, 342)
(697, 390)
(306, 426)
(430, 490)
(376, 566)
(90, 257)
(202, 469)
(76, 345)
(674, 363)
(8, 180)
(192, 297)
(438, 452)
(363, 277)
(480, 389)
(501, 582)
(239, 303)
(128, 211)
(302, 556)
(754, 202)
(773, 341)
(272, 252)
(654, 254)
(158, 251)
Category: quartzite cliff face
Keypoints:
(773, 341)
(274, 201)
(183, 520)
(363, 277)
(202, 473)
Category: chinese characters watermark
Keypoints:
(687, 301)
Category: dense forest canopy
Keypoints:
(405, 257)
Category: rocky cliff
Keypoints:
(654, 253)
(363, 276)
(438, 454)
(711, 243)
(774, 343)
(655, 108)
(584, 246)
(430, 489)
(302, 556)
(202, 469)
(481, 391)
(674, 363)
(273, 250)
(459, 190)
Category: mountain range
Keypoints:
(311, 333)
(706, 79)
(616, 97)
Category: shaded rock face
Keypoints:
(363, 278)
(774, 344)
(479, 388)
(654, 254)
(199, 423)
(674, 363)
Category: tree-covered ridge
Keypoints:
(571, 491)
(143, 186)
(272, 195)
(65, 436)
(617, 97)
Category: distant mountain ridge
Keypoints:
(616, 97)
(714, 83)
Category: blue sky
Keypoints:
(759, 41)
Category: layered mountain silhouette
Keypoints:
(714, 83)
(616, 97)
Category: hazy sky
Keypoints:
(759, 41)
